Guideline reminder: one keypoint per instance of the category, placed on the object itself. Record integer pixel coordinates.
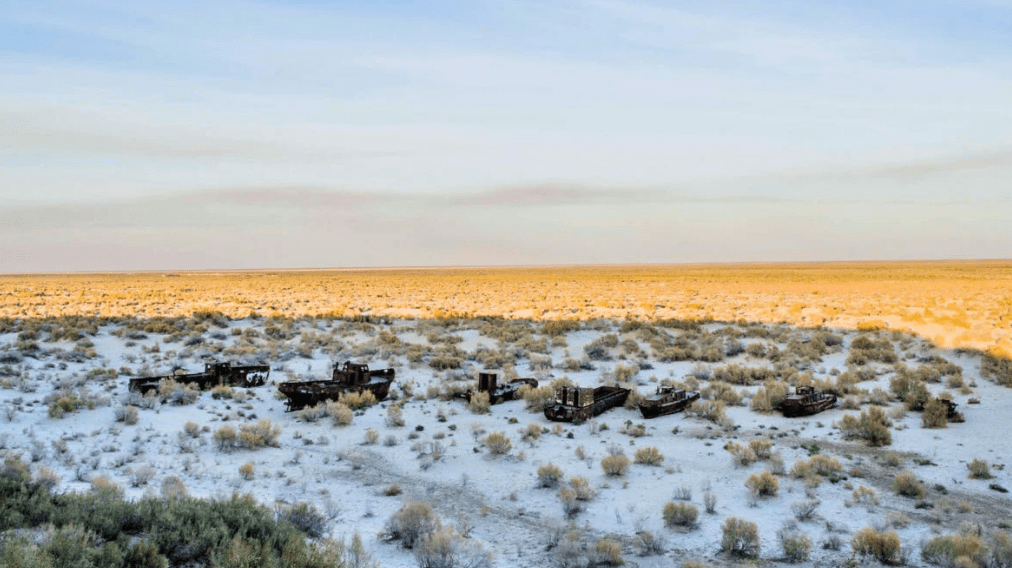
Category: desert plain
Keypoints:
(879, 478)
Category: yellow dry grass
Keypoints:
(953, 303)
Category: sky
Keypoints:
(155, 135)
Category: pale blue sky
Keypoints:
(234, 134)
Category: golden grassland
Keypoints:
(953, 303)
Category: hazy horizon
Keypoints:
(277, 135)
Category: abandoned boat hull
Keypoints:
(663, 405)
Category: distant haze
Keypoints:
(195, 135)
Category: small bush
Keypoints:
(680, 514)
(246, 470)
(479, 403)
(226, 438)
(173, 488)
(979, 469)
(935, 414)
(341, 414)
(304, 517)
(358, 400)
(549, 475)
(498, 443)
(804, 510)
(796, 546)
(392, 490)
(871, 426)
(581, 485)
(571, 506)
(951, 550)
(608, 553)
(395, 417)
(537, 399)
(883, 546)
(763, 484)
(127, 415)
(312, 414)
(192, 429)
(221, 392)
(649, 456)
(740, 538)
(444, 548)
(907, 484)
(615, 465)
(371, 436)
(741, 456)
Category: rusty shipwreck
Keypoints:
(575, 404)
(349, 377)
(214, 374)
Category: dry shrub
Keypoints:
(883, 546)
(740, 538)
(371, 436)
(247, 470)
(532, 432)
(445, 548)
(742, 456)
(607, 553)
(872, 426)
(935, 414)
(708, 410)
(221, 391)
(537, 399)
(412, 522)
(312, 414)
(649, 456)
(256, 436)
(864, 495)
(225, 438)
(172, 392)
(392, 490)
(479, 403)
(955, 550)
(340, 413)
(498, 443)
(763, 484)
(979, 469)
(582, 489)
(127, 415)
(549, 475)
(173, 488)
(358, 400)
(825, 465)
(761, 448)
(571, 506)
(395, 417)
(192, 429)
(769, 396)
(680, 514)
(796, 546)
(908, 485)
(615, 465)
(723, 392)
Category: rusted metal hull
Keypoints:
(501, 393)
(605, 398)
(215, 374)
(666, 404)
(793, 406)
(310, 393)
